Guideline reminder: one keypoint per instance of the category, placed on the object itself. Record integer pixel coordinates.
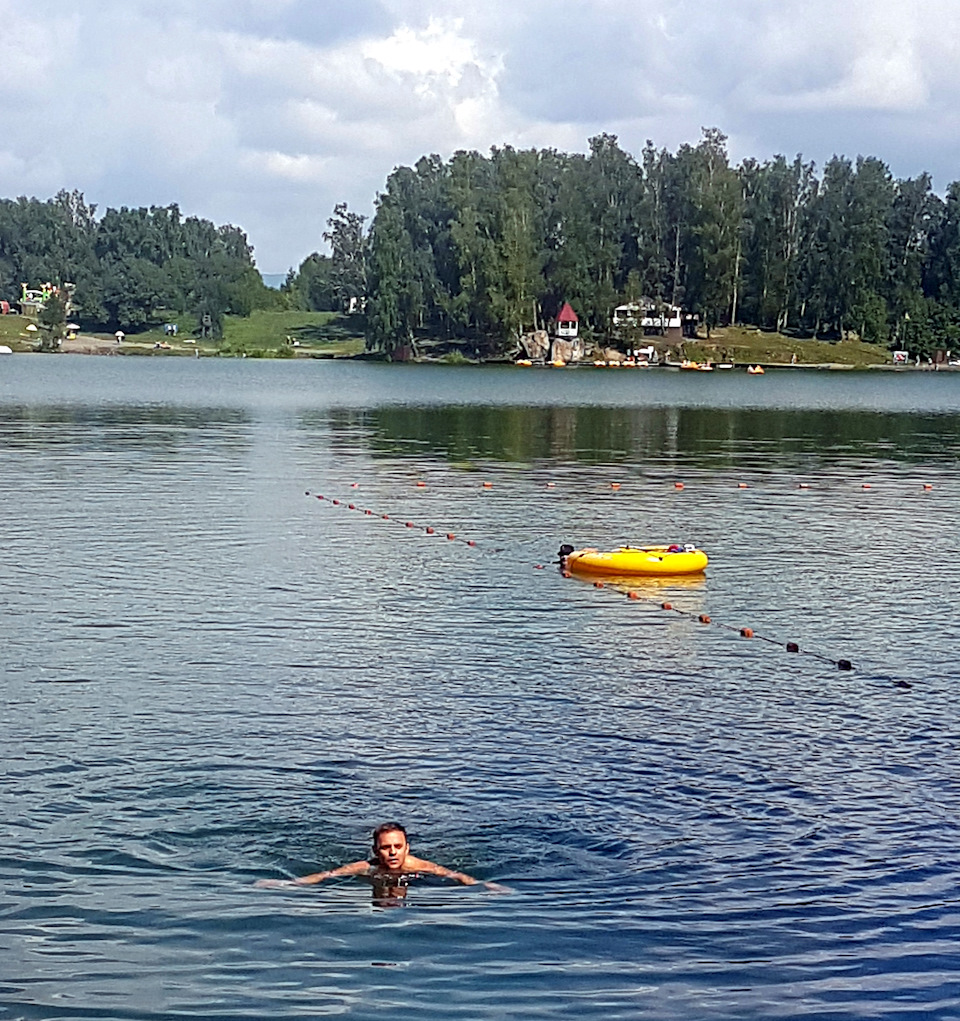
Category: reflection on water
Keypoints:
(714, 437)
(209, 679)
(121, 425)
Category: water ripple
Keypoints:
(210, 679)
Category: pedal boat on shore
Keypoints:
(640, 561)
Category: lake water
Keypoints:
(210, 677)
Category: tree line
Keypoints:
(129, 266)
(483, 248)
(335, 282)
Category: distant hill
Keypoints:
(274, 280)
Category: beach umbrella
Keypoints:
(31, 328)
(73, 326)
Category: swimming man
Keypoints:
(391, 862)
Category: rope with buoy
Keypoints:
(790, 647)
(703, 618)
(426, 529)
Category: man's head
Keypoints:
(390, 846)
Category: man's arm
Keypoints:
(355, 868)
(461, 877)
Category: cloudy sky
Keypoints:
(265, 113)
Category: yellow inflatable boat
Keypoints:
(636, 560)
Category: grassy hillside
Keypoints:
(742, 344)
(265, 334)
(268, 334)
(12, 333)
(328, 333)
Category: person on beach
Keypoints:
(391, 865)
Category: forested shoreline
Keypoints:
(129, 266)
(482, 248)
(478, 249)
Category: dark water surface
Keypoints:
(210, 678)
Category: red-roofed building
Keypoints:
(566, 345)
(568, 326)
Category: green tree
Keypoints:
(52, 319)
(846, 258)
(513, 263)
(391, 313)
(471, 192)
(715, 241)
(311, 286)
(653, 265)
(913, 217)
(348, 256)
(776, 195)
(942, 271)
(131, 290)
(593, 237)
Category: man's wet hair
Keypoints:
(387, 827)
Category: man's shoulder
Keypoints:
(415, 864)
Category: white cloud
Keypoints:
(301, 169)
(266, 113)
(437, 50)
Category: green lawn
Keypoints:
(326, 332)
(742, 344)
(264, 334)
(14, 335)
